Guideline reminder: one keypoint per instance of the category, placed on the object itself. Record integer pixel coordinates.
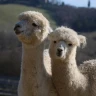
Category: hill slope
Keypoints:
(9, 13)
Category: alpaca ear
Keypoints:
(82, 40)
(50, 30)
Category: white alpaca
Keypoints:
(35, 79)
(68, 78)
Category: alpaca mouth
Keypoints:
(59, 54)
(18, 32)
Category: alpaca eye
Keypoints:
(54, 41)
(69, 44)
(34, 25)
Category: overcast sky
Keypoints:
(80, 3)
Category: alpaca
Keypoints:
(35, 78)
(68, 78)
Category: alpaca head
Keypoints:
(63, 43)
(32, 28)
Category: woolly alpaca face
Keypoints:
(63, 43)
(32, 28)
(60, 49)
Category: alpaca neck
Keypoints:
(32, 54)
(66, 72)
(33, 71)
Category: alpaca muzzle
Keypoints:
(16, 29)
(59, 52)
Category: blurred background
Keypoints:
(79, 15)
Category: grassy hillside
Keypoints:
(9, 13)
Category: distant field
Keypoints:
(8, 86)
(9, 14)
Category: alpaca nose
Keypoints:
(59, 50)
(17, 26)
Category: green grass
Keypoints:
(9, 14)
